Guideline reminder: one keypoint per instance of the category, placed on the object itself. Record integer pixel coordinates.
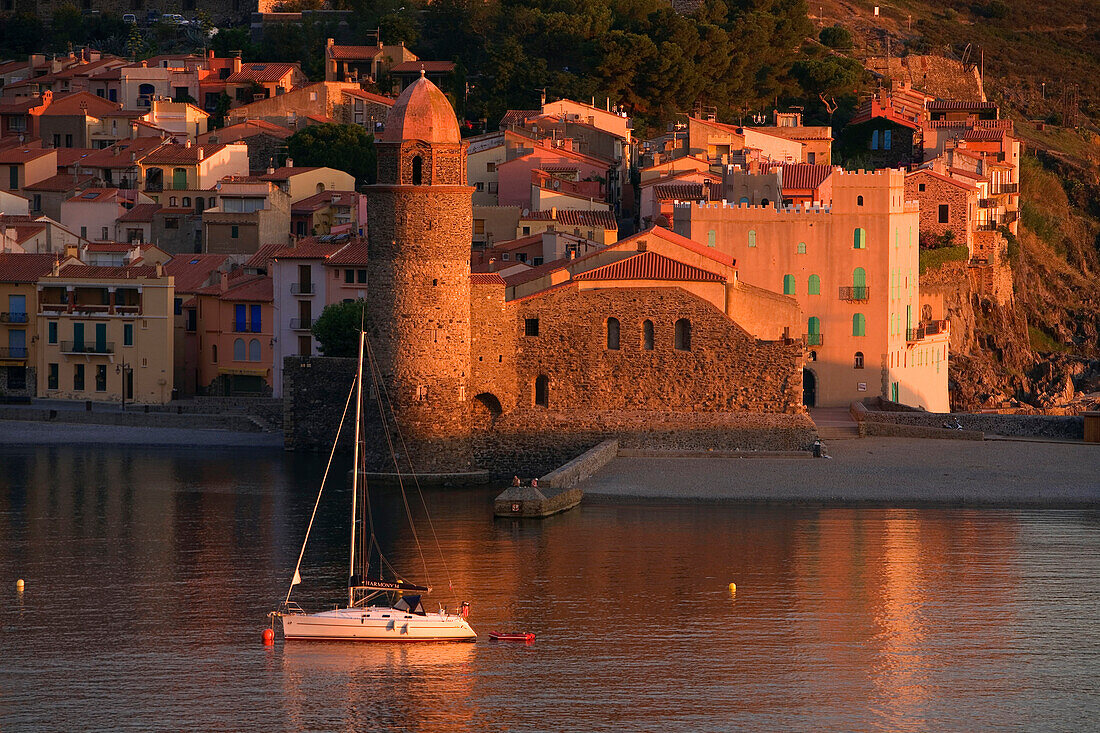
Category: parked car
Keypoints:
(129, 18)
(172, 19)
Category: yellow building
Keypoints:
(852, 264)
(105, 331)
(18, 275)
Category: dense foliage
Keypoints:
(337, 329)
(347, 148)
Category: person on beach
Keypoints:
(515, 481)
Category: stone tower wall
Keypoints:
(419, 306)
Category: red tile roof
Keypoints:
(95, 195)
(80, 103)
(261, 72)
(20, 106)
(486, 278)
(966, 174)
(320, 200)
(355, 253)
(798, 133)
(983, 134)
(25, 268)
(650, 266)
(311, 248)
(534, 273)
(942, 105)
(711, 253)
(108, 247)
(245, 130)
(369, 96)
(23, 155)
(172, 154)
(804, 175)
(283, 173)
(263, 256)
(354, 52)
(243, 287)
(514, 244)
(140, 213)
(682, 192)
(941, 177)
(518, 116)
(61, 183)
(192, 271)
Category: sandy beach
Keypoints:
(884, 471)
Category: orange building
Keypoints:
(235, 334)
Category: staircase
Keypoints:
(834, 423)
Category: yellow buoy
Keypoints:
(733, 587)
(19, 584)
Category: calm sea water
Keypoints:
(149, 574)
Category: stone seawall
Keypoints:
(1029, 426)
(581, 467)
(872, 429)
(533, 441)
(136, 418)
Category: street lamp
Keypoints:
(124, 369)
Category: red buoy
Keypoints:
(269, 637)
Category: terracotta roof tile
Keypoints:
(245, 130)
(192, 271)
(170, 154)
(682, 192)
(23, 155)
(312, 248)
(354, 52)
(943, 105)
(283, 173)
(941, 177)
(90, 272)
(261, 72)
(243, 287)
(486, 278)
(804, 175)
(984, 135)
(711, 253)
(61, 183)
(80, 103)
(140, 213)
(355, 253)
(263, 255)
(369, 96)
(324, 198)
(650, 266)
(25, 268)
(518, 116)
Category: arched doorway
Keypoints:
(809, 388)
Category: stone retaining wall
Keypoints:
(136, 418)
(1029, 426)
(872, 429)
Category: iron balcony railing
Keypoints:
(1007, 188)
(929, 328)
(986, 203)
(88, 347)
(302, 289)
(854, 293)
(13, 352)
(13, 317)
(301, 324)
(812, 339)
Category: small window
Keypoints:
(101, 378)
(920, 186)
(801, 248)
(764, 202)
(886, 139)
(859, 201)
(647, 335)
(254, 350)
(52, 377)
(417, 170)
(526, 231)
(813, 356)
(613, 334)
(490, 167)
(349, 276)
(813, 286)
(788, 285)
(530, 327)
(78, 377)
(214, 353)
(874, 139)
(238, 350)
(944, 213)
(542, 391)
(711, 238)
(361, 276)
(127, 334)
(234, 231)
(422, 393)
(752, 237)
(52, 331)
(859, 360)
(859, 238)
(683, 335)
(859, 325)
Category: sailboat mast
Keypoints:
(355, 463)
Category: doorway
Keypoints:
(809, 388)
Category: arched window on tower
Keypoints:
(613, 334)
(418, 170)
(683, 335)
(647, 335)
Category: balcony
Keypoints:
(855, 294)
(13, 317)
(13, 352)
(1006, 188)
(301, 324)
(71, 347)
(1010, 216)
(812, 339)
(302, 289)
(929, 328)
(986, 203)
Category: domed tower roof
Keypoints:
(422, 112)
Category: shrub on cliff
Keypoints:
(337, 329)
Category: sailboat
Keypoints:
(377, 609)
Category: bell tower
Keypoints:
(419, 225)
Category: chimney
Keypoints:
(201, 152)
(187, 143)
(160, 270)
(236, 61)
(223, 283)
(290, 162)
(210, 54)
(270, 170)
(554, 212)
(56, 268)
(330, 42)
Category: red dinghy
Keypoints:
(511, 636)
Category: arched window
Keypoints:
(254, 350)
(859, 284)
(813, 331)
(859, 201)
(886, 139)
(859, 360)
(813, 287)
(859, 325)
(764, 202)
(542, 390)
(320, 188)
(752, 237)
(613, 334)
(647, 335)
(683, 335)
(788, 285)
(813, 356)
(801, 248)
(238, 350)
(859, 238)
(710, 238)
(418, 170)
(186, 200)
(179, 179)
(744, 201)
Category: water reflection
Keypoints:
(150, 574)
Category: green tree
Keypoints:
(348, 148)
(337, 329)
(836, 36)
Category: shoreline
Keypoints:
(881, 472)
(24, 434)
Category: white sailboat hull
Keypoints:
(375, 624)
